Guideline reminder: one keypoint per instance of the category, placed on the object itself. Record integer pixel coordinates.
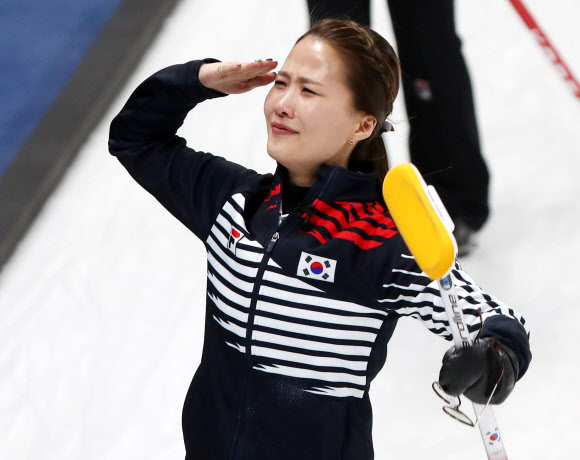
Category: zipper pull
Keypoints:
(275, 237)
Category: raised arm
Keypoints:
(192, 185)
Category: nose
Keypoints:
(285, 106)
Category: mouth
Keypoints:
(279, 128)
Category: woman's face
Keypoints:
(309, 112)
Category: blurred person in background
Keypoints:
(443, 139)
(307, 274)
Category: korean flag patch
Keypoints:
(316, 267)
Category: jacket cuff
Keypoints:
(513, 337)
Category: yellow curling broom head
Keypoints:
(422, 220)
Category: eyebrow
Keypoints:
(300, 79)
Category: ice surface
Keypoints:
(101, 307)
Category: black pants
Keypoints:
(443, 140)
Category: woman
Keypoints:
(443, 134)
(307, 274)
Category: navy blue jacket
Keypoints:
(299, 313)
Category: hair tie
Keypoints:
(386, 127)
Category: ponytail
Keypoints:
(371, 154)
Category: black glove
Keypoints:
(474, 371)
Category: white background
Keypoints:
(102, 305)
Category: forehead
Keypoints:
(315, 59)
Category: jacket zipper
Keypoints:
(256, 292)
(249, 329)
(252, 312)
(273, 241)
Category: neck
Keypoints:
(302, 178)
(292, 195)
(305, 176)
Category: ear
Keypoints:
(364, 128)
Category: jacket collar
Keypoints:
(334, 183)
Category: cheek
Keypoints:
(313, 118)
(325, 122)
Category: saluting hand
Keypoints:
(237, 78)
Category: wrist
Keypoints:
(204, 73)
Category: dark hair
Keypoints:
(372, 74)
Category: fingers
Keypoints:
(259, 67)
(246, 70)
(237, 77)
(462, 369)
(261, 80)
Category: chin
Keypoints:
(282, 159)
(279, 159)
(278, 153)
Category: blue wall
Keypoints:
(41, 44)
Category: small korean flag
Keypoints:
(316, 267)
